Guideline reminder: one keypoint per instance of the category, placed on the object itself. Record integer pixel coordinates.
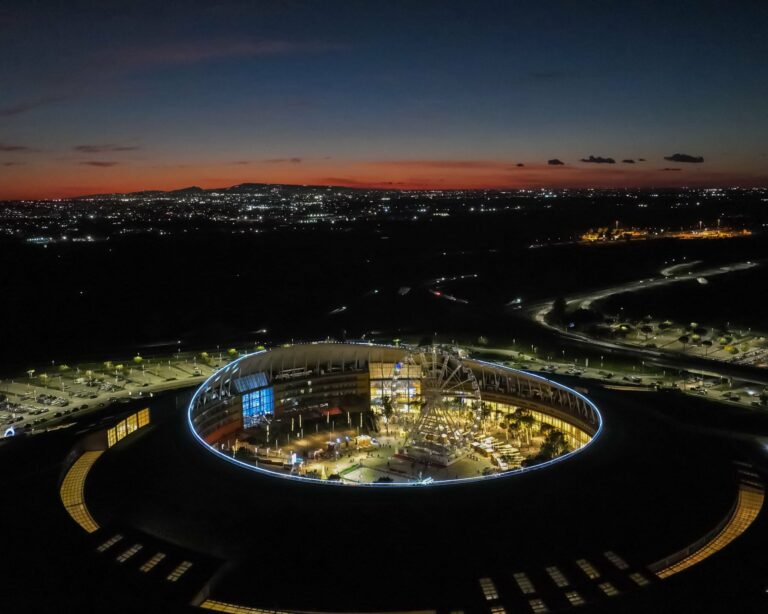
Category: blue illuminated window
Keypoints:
(257, 403)
(250, 382)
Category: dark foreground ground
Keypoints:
(659, 477)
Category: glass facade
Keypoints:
(401, 382)
(575, 436)
(127, 426)
(250, 382)
(256, 404)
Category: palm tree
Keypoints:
(386, 404)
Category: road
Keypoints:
(666, 359)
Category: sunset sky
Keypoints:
(122, 96)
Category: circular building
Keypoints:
(222, 502)
(363, 414)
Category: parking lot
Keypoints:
(38, 401)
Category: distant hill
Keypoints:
(241, 188)
(191, 190)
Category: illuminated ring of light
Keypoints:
(450, 482)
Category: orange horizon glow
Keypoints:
(67, 181)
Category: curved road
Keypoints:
(658, 357)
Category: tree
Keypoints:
(684, 340)
(108, 365)
(554, 444)
(646, 329)
(232, 352)
(386, 404)
(138, 359)
(63, 368)
(523, 422)
(558, 310)
(485, 411)
(707, 343)
(527, 420)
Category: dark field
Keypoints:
(108, 300)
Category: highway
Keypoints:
(668, 359)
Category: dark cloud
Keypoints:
(104, 148)
(8, 147)
(678, 157)
(641, 159)
(13, 163)
(283, 160)
(599, 160)
(519, 164)
(628, 161)
(670, 169)
(99, 163)
(555, 162)
(241, 162)
(28, 105)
